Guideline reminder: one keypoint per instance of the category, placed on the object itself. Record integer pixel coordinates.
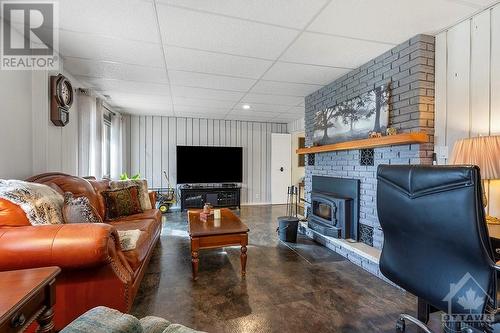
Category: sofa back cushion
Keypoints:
(99, 187)
(76, 185)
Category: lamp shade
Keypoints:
(483, 151)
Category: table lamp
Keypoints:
(483, 151)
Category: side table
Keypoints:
(27, 295)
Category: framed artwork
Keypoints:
(353, 119)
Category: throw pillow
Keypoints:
(129, 238)
(122, 202)
(142, 185)
(79, 210)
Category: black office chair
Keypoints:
(435, 235)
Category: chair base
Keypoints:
(401, 323)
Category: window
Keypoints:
(106, 146)
(302, 157)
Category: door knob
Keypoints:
(281, 169)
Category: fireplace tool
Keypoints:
(288, 225)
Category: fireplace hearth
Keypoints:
(335, 207)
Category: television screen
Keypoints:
(197, 164)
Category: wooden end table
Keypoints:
(227, 231)
(27, 295)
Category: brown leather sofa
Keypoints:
(95, 271)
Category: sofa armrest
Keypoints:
(152, 198)
(64, 245)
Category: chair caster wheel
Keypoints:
(400, 325)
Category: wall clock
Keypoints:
(61, 99)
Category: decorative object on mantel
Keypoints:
(354, 118)
(61, 99)
(366, 157)
(388, 140)
(391, 131)
(374, 134)
(483, 151)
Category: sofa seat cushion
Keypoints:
(145, 215)
(149, 228)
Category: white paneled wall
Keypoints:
(468, 85)
(54, 148)
(296, 125)
(152, 145)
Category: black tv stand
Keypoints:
(221, 195)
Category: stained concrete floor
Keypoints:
(288, 288)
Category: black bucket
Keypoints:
(287, 228)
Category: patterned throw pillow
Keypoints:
(79, 210)
(142, 187)
(122, 202)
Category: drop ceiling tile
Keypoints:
(207, 103)
(263, 107)
(108, 86)
(248, 118)
(138, 99)
(190, 92)
(202, 115)
(289, 13)
(146, 111)
(296, 110)
(284, 88)
(256, 115)
(78, 45)
(112, 70)
(285, 118)
(379, 18)
(179, 58)
(271, 99)
(326, 50)
(202, 80)
(200, 109)
(283, 71)
(133, 19)
(210, 32)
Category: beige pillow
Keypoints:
(142, 186)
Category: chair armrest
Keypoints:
(64, 245)
(152, 198)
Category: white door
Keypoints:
(281, 167)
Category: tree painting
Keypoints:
(323, 121)
(354, 110)
(381, 99)
(353, 118)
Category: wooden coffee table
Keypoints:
(227, 231)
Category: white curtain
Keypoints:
(116, 145)
(89, 135)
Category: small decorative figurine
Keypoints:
(206, 208)
(374, 134)
(391, 131)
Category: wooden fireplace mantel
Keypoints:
(389, 140)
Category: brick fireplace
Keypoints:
(408, 69)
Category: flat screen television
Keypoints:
(202, 164)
